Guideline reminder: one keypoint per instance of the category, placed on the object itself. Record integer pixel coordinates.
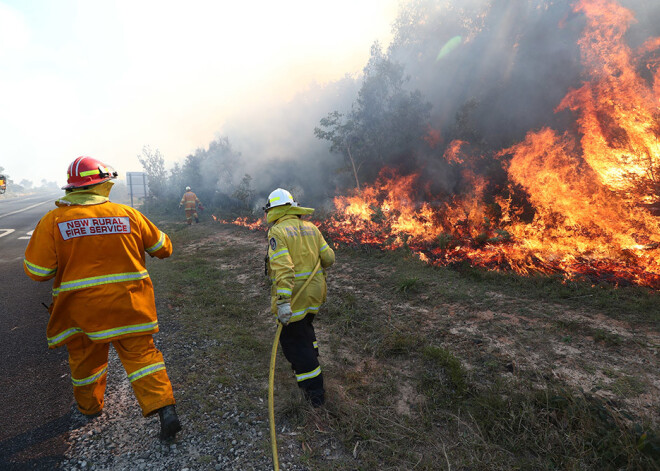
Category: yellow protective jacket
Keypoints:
(190, 200)
(96, 253)
(294, 247)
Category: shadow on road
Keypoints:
(41, 448)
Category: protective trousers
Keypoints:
(190, 214)
(142, 361)
(299, 346)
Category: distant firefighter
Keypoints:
(294, 249)
(191, 202)
(94, 249)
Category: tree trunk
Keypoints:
(357, 180)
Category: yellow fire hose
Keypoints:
(271, 376)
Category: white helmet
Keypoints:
(187, 188)
(279, 197)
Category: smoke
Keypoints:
(515, 61)
(278, 147)
(492, 71)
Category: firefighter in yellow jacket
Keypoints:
(95, 251)
(294, 248)
(189, 201)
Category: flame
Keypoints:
(618, 112)
(590, 198)
(255, 225)
(433, 138)
(452, 153)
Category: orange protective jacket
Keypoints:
(190, 200)
(96, 255)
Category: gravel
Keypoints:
(231, 437)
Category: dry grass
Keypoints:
(431, 368)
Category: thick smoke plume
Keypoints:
(491, 71)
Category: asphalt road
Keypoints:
(35, 387)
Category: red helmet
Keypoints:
(87, 171)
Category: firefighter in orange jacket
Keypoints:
(191, 202)
(294, 247)
(95, 251)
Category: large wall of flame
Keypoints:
(578, 195)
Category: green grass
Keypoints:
(410, 285)
(608, 338)
(443, 365)
(629, 386)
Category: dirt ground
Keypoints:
(583, 348)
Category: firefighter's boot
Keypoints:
(316, 397)
(169, 422)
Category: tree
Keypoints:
(222, 160)
(385, 123)
(244, 192)
(343, 139)
(176, 180)
(210, 171)
(154, 165)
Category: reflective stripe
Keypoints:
(279, 254)
(297, 315)
(117, 331)
(158, 244)
(312, 374)
(99, 280)
(78, 164)
(64, 335)
(284, 291)
(37, 270)
(102, 334)
(90, 172)
(305, 274)
(147, 370)
(324, 247)
(316, 344)
(89, 379)
(301, 275)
